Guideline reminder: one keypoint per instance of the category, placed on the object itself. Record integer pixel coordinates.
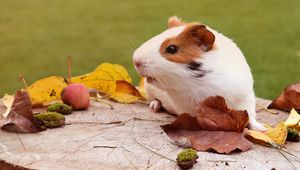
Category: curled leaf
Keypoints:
(215, 128)
(7, 102)
(275, 137)
(215, 115)
(20, 117)
(293, 120)
(288, 99)
(46, 90)
(123, 98)
(104, 77)
(125, 93)
(278, 133)
(260, 138)
(125, 87)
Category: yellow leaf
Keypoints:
(259, 138)
(47, 89)
(125, 87)
(7, 102)
(124, 98)
(100, 80)
(104, 77)
(141, 87)
(278, 134)
(117, 71)
(293, 120)
(125, 93)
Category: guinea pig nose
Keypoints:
(137, 63)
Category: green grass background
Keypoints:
(37, 35)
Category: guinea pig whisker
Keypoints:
(131, 45)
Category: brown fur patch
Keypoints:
(195, 40)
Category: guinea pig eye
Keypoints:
(172, 49)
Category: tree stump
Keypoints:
(128, 137)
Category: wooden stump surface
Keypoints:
(101, 138)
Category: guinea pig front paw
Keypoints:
(155, 105)
(257, 126)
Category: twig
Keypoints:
(155, 120)
(290, 154)
(100, 123)
(102, 101)
(23, 80)
(220, 160)
(266, 109)
(23, 146)
(286, 158)
(69, 69)
(142, 102)
(111, 147)
(152, 150)
(102, 95)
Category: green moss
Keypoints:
(187, 158)
(50, 119)
(60, 108)
(293, 135)
(187, 155)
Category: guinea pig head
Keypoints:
(164, 59)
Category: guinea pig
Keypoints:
(189, 62)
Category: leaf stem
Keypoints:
(69, 69)
(23, 80)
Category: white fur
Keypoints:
(180, 92)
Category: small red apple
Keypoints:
(77, 96)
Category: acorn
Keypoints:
(60, 108)
(187, 158)
(50, 119)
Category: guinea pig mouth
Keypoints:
(150, 79)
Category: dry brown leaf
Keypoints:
(20, 117)
(215, 128)
(288, 99)
(215, 115)
(7, 102)
(213, 141)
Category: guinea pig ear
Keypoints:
(202, 36)
(174, 21)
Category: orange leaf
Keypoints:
(214, 128)
(288, 99)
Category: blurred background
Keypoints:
(36, 36)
